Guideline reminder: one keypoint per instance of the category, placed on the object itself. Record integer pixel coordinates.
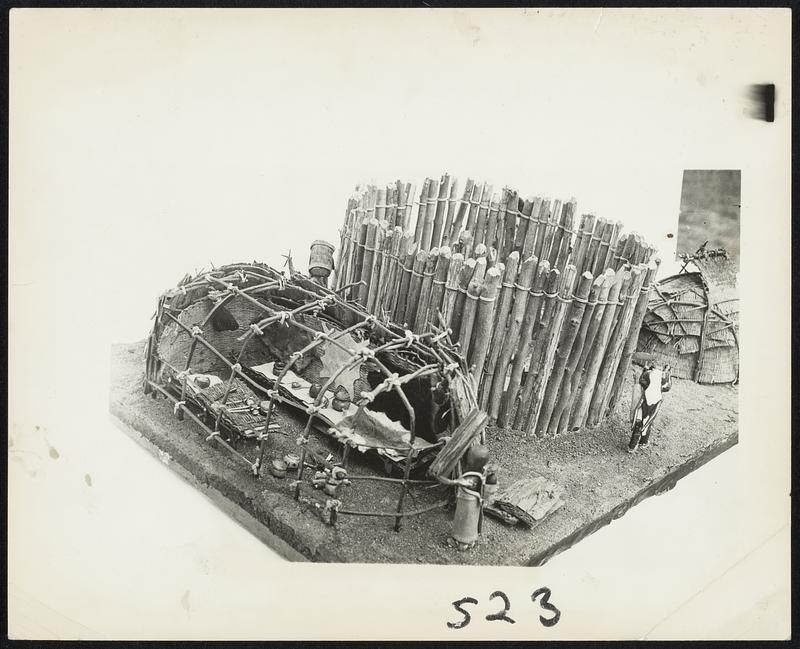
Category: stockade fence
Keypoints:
(545, 307)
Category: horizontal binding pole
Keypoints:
(385, 479)
(410, 512)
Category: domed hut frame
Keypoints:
(244, 282)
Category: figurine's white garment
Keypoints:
(653, 392)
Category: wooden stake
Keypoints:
(422, 209)
(377, 271)
(441, 210)
(426, 285)
(582, 244)
(609, 277)
(468, 319)
(405, 281)
(530, 214)
(550, 338)
(447, 231)
(461, 213)
(441, 273)
(603, 248)
(612, 245)
(491, 224)
(608, 367)
(565, 248)
(483, 215)
(499, 325)
(537, 347)
(517, 343)
(451, 288)
(465, 243)
(569, 333)
(474, 204)
(484, 317)
(584, 397)
(521, 222)
(557, 233)
(542, 220)
(565, 387)
(457, 314)
(414, 288)
(400, 242)
(409, 203)
(594, 242)
(633, 335)
(430, 215)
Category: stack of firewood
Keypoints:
(545, 305)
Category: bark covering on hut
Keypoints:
(692, 319)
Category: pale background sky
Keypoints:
(147, 143)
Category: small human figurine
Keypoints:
(653, 382)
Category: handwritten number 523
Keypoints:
(543, 593)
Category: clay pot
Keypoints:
(278, 468)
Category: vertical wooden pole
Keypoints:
(422, 209)
(550, 338)
(451, 288)
(569, 333)
(461, 212)
(436, 302)
(507, 224)
(400, 242)
(457, 314)
(542, 221)
(447, 231)
(537, 345)
(584, 397)
(414, 288)
(421, 316)
(608, 280)
(484, 317)
(483, 215)
(405, 282)
(557, 233)
(468, 319)
(430, 215)
(529, 215)
(565, 387)
(518, 346)
(499, 325)
(594, 242)
(441, 211)
(377, 269)
(474, 204)
(565, 249)
(491, 224)
(410, 191)
(608, 369)
(522, 224)
(582, 245)
(633, 336)
(369, 261)
(612, 245)
(603, 248)
(465, 243)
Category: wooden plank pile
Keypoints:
(545, 305)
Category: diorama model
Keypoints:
(465, 356)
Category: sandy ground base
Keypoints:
(601, 480)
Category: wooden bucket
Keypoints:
(320, 263)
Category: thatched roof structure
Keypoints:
(692, 319)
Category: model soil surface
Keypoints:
(600, 479)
